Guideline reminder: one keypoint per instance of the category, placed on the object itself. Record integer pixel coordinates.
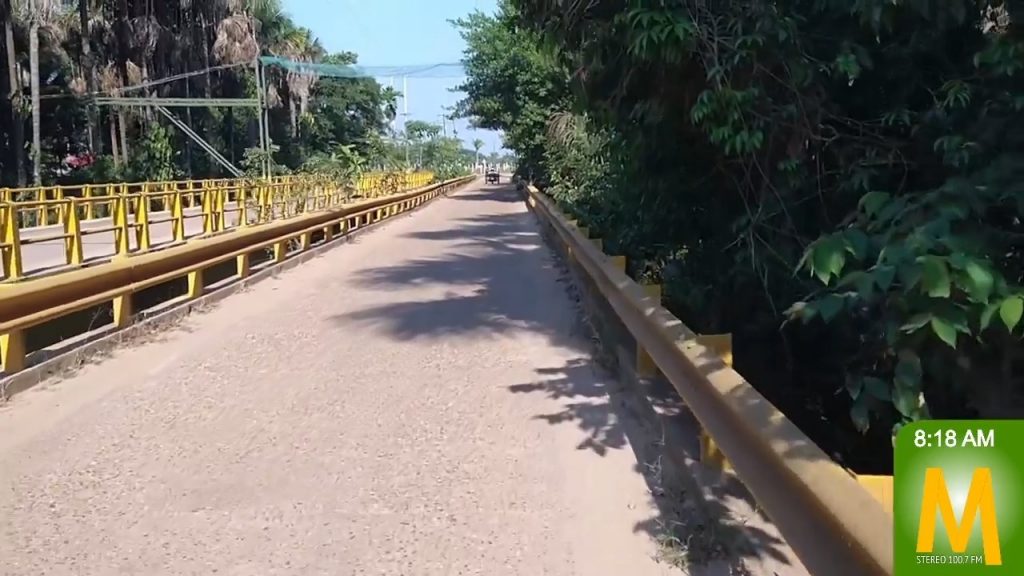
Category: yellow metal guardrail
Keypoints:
(122, 216)
(833, 524)
(25, 305)
(879, 486)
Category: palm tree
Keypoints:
(85, 47)
(42, 17)
(110, 82)
(300, 45)
(88, 66)
(478, 145)
(236, 43)
(7, 14)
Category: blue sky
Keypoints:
(400, 33)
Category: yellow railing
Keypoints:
(48, 229)
(26, 305)
(831, 519)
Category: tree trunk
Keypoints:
(113, 138)
(17, 122)
(292, 106)
(231, 132)
(228, 82)
(188, 122)
(121, 38)
(122, 121)
(33, 55)
(147, 111)
(89, 69)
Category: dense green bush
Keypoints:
(836, 183)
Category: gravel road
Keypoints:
(418, 401)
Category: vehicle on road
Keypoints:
(492, 177)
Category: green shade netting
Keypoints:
(446, 70)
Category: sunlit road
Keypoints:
(420, 400)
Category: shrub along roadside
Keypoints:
(837, 184)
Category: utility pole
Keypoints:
(394, 119)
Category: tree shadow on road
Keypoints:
(495, 277)
(487, 194)
(586, 405)
(695, 531)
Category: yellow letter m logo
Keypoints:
(980, 500)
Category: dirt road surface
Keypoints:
(419, 401)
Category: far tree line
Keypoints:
(58, 53)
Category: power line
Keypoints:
(438, 70)
(181, 76)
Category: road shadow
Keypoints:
(589, 407)
(495, 276)
(491, 193)
(697, 531)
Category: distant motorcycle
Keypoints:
(492, 177)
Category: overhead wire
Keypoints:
(326, 70)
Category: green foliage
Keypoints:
(343, 165)
(130, 41)
(872, 147)
(511, 84)
(254, 159)
(430, 150)
(154, 160)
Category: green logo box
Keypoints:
(957, 495)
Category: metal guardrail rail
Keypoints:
(24, 305)
(835, 526)
(127, 213)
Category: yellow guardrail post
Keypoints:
(710, 454)
(178, 217)
(41, 208)
(110, 193)
(242, 265)
(221, 195)
(168, 189)
(195, 284)
(280, 251)
(12, 243)
(207, 202)
(265, 203)
(58, 194)
(142, 235)
(241, 201)
(880, 487)
(12, 351)
(121, 226)
(122, 305)
(72, 234)
(90, 210)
